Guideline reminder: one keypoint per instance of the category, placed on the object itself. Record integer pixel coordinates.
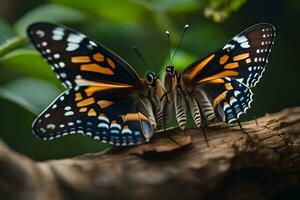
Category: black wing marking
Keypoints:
(73, 56)
(244, 57)
(111, 115)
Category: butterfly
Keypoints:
(105, 98)
(218, 86)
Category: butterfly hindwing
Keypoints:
(73, 56)
(244, 57)
(112, 116)
(229, 97)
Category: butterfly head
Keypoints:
(171, 70)
(151, 78)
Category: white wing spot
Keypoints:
(70, 123)
(67, 108)
(56, 56)
(61, 64)
(40, 33)
(58, 33)
(69, 113)
(50, 126)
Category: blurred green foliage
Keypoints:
(27, 84)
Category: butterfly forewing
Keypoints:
(244, 57)
(112, 116)
(74, 57)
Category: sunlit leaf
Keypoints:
(49, 13)
(117, 10)
(28, 62)
(10, 96)
(31, 94)
(12, 43)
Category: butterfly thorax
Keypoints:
(186, 84)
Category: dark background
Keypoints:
(27, 84)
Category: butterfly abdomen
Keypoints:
(180, 108)
(195, 110)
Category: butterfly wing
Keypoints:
(244, 57)
(229, 97)
(74, 57)
(110, 114)
(101, 100)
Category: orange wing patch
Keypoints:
(96, 68)
(226, 73)
(196, 70)
(78, 96)
(224, 59)
(92, 112)
(83, 109)
(231, 65)
(228, 86)
(80, 59)
(92, 64)
(219, 98)
(95, 87)
(241, 56)
(248, 60)
(111, 63)
(86, 102)
(216, 81)
(134, 117)
(98, 57)
(104, 103)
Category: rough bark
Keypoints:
(263, 165)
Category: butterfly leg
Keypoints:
(203, 127)
(165, 95)
(173, 140)
(205, 135)
(241, 127)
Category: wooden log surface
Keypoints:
(265, 164)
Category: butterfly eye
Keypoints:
(170, 70)
(150, 77)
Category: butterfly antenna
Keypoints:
(140, 56)
(181, 38)
(169, 41)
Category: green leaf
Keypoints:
(175, 6)
(181, 61)
(11, 44)
(204, 39)
(219, 10)
(49, 13)
(30, 63)
(32, 94)
(5, 31)
(10, 96)
(117, 10)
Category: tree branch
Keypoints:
(263, 165)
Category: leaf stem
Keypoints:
(12, 44)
